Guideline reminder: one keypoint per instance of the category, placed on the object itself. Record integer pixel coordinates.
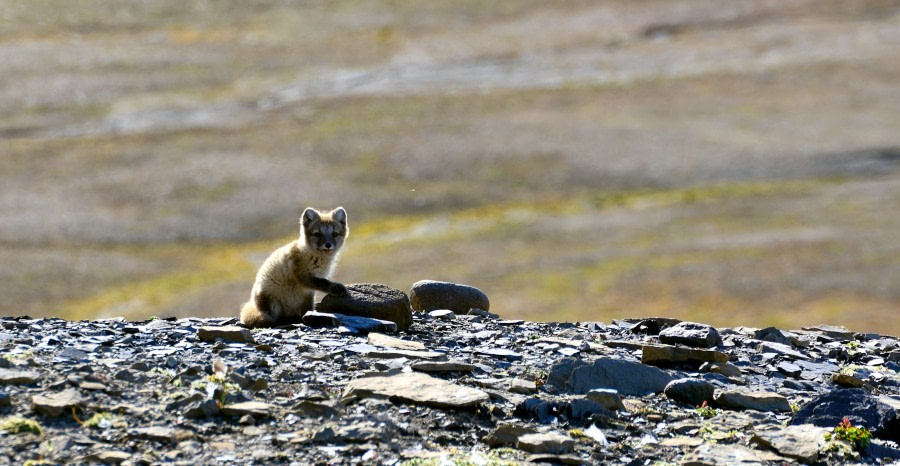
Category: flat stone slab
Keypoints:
(711, 454)
(253, 408)
(549, 442)
(664, 355)
(359, 324)
(430, 295)
(800, 442)
(157, 434)
(417, 388)
(380, 339)
(18, 377)
(231, 333)
(372, 300)
(628, 378)
(58, 403)
(759, 401)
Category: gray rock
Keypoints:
(560, 373)
(108, 457)
(253, 408)
(443, 314)
(857, 405)
(800, 442)
(628, 378)
(156, 434)
(315, 410)
(838, 333)
(524, 387)
(607, 398)
(665, 355)
(371, 300)
(18, 377)
(201, 409)
(429, 295)
(778, 348)
(58, 403)
(503, 353)
(482, 313)
(417, 388)
(691, 334)
(359, 324)
(506, 435)
(690, 391)
(759, 401)
(229, 333)
(712, 454)
(549, 442)
(774, 335)
(789, 369)
(727, 369)
(386, 341)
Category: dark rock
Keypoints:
(449, 366)
(691, 334)
(691, 391)
(772, 334)
(855, 404)
(629, 378)
(201, 409)
(430, 295)
(5, 400)
(370, 300)
(649, 326)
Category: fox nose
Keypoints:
(328, 246)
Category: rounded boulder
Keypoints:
(430, 295)
(372, 300)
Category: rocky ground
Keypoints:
(451, 389)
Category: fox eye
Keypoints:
(335, 235)
(317, 235)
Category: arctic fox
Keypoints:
(287, 281)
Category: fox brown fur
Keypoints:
(287, 281)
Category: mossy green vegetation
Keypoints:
(17, 425)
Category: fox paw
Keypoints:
(338, 289)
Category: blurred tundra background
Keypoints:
(736, 162)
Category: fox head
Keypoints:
(324, 232)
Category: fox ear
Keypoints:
(309, 215)
(339, 215)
